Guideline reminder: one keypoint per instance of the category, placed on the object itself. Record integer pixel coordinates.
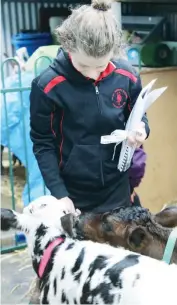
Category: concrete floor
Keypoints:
(16, 277)
(16, 270)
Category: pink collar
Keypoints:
(47, 254)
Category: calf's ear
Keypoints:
(167, 217)
(138, 238)
(68, 222)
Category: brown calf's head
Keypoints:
(134, 228)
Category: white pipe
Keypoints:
(116, 7)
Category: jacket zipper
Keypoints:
(98, 99)
(100, 110)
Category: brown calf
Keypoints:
(134, 228)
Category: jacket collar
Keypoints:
(65, 66)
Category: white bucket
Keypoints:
(54, 22)
(116, 8)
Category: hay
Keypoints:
(32, 287)
(15, 288)
(18, 182)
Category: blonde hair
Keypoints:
(92, 29)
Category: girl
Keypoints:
(88, 92)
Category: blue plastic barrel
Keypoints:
(20, 238)
(31, 41)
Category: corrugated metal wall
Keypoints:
(17, 15)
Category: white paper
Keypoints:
(145, 99)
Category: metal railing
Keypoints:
(17, 238)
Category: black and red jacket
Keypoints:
(69, 114)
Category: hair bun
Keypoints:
(101, 5)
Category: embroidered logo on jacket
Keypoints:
(119, 98)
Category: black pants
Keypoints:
(136, 201)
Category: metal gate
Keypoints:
(18, 239)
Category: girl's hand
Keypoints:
(140, 135)
(67, 205)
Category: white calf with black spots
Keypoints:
(84, 272)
